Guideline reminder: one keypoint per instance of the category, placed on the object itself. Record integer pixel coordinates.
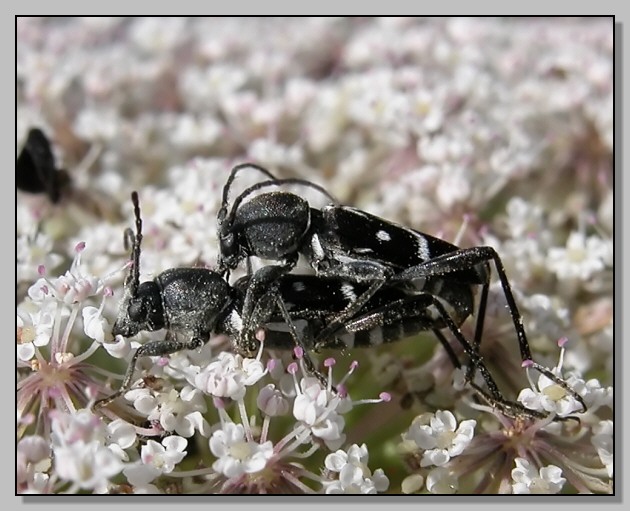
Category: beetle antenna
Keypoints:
(234, 171)
(133, 279)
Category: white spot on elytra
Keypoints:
(236, 321)
(422, 248)
(347, 290)
(317, 247)
(383, 235)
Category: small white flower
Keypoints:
(326, 118)
(354, 473)
(271, 401)
(236, 455)
(439, 436)
(192, 132)
(82, 426)
(33, 463)
(33, 252)
(181, 412)
(90, 465)
(441, 481)
(580, 259)
(430, 111)
(548, 480)
(121, 433)
(95, 325)
(549, 397)
(97, 123)
(120, 347)
(222, 378)
(74, 288)
(592, 391)
(34, 448)
(274, 154)
(143, 400)
(165, 455)
(80, 451)
(317, 408)
(454, 187)
(229, 375)
(156, 459)
(39, 291)
(524, 218)
(33, 331)
(254, 370)
(547, 315)
(185, 364)
(215, 84)
(311, 402)
(175, 411)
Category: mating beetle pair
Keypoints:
(351, 244)
(375, 282)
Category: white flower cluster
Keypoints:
(50, 300)
(549, 396)
(87, 452)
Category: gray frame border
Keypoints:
(281, 8)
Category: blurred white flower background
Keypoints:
(480, 131)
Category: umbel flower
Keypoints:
(525, 454)
(57, 374)
(246, 459)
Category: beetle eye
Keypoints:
(227, 244)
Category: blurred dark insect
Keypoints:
(36, 171)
